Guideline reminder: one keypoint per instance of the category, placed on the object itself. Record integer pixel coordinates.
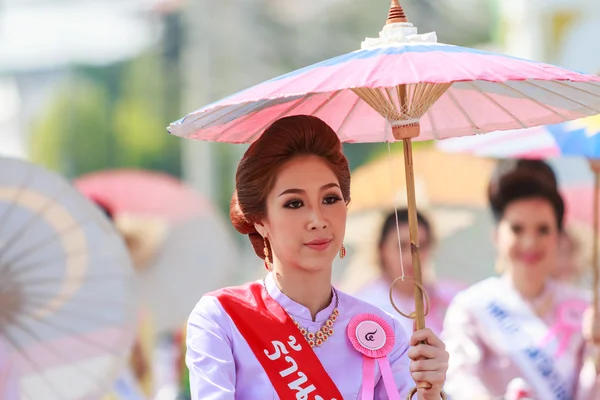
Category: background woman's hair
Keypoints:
(536, 169)
(390, 224)
(516, 186)
(285, 139)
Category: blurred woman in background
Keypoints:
(394, 258)
(523, 328)
(570, 264)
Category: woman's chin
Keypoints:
(531, 271)
(322, 262)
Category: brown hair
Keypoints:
(285, 139)
(521, 186)
(389, 225)
(535, 168)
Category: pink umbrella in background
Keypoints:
(579, 200)
(181, 246)
(143, 193)
(404, 86)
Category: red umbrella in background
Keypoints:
(180, 244)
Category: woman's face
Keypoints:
(527, 237)
(306, 214)
(390, 254)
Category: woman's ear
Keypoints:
(260, 228)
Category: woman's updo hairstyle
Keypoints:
(285, 139)
(389, 225)
(537, 169)
(518, 185)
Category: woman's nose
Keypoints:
(317, 220)
(529, 241)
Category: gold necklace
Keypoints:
(325, 332)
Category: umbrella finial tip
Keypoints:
(396, 13)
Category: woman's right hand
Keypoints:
(429, 363)
(591, 326)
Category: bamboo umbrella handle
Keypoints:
(595, 166)
(595, 266)
(413, 227)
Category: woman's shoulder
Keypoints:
(461, 305)
(450, 287)
(207, 309)
(445, 290)
(566, 292)
(210, 308)
(356, 303)
(372, 291)
(467, 293)
(351, 306)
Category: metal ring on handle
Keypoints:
(424, 385)
(425, 295)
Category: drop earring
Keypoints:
(268, 264)
(342, 252)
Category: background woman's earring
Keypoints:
(268, 265)
(342, 252)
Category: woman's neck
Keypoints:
(311, 289)
(528, 287)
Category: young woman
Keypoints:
(390, 257)
(292, 335)
(523, 328)
(569, 266)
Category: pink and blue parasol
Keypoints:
(488, 92)
(579, 138)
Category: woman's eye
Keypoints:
(544, 230)
(331, 199)
(293, 204)
(516, 229)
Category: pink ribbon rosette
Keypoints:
(568, 323)
(373, 337)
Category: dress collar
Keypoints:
(296, 310)
(540, 299)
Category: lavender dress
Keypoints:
(223, 367)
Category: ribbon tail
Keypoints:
(563, 345)
(388, 378)
(549, 336)
(368, 379)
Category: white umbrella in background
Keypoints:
(180, 244)
(66, 300)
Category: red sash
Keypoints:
(291, 365)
